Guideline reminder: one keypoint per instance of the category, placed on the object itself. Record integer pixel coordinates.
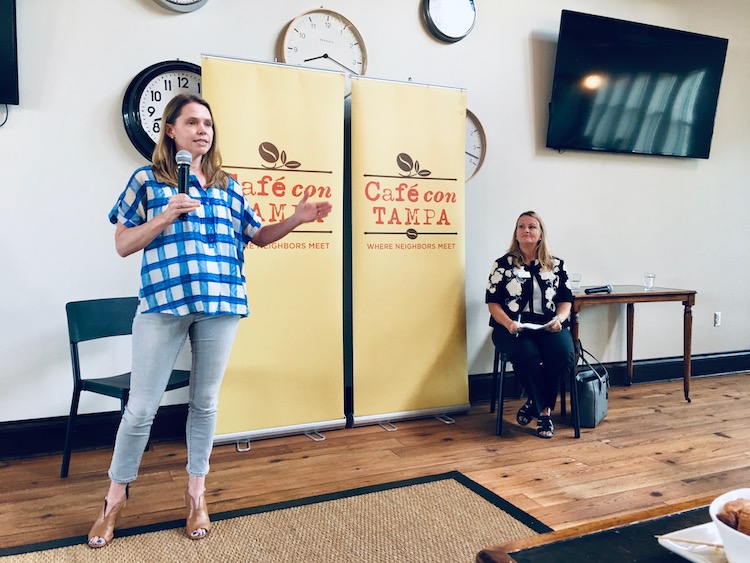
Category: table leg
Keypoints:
(687, 347)
(631, 317)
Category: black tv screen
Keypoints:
(8, 55)
(628, 87)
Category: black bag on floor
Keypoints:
(592, 382)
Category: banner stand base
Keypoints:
(388, 418)
(309, 428)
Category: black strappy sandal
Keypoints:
(526, 413)
(544, 427)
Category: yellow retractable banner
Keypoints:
(408, 302)
(281, 132)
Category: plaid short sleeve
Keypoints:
(130, 208)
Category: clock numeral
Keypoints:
(151, 111)
(155, 96)
(183, 82)
(156, 128)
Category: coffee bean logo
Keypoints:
(410, 166)
(278, 159)
(404, 162)
(268, 152)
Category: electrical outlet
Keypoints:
(717, 319)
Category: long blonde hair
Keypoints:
(163, 160)
(543, 253)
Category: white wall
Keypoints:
(65, 158)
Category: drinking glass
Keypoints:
(648, 280)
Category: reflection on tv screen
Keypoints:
(627, 87)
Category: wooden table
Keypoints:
(630, 295)
(621, 544)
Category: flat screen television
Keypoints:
(8, 53)
(628, 87)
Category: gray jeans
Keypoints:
(157, 340)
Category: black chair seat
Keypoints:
(118, 386)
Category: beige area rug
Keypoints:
(441, 518)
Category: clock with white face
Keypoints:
(181, 5)
(327, 40)
(449, 20)
(148, 95)
(476, 145)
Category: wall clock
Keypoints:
(327, 40)
(181, 5)
(476, 145)
(449, 20)
(147, 96)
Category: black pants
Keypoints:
(540, 358)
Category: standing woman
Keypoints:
(529, 285)
(192, 286)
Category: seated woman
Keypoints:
(530, 286)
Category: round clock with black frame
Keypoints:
(148, 94)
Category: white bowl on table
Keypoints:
(736, 544)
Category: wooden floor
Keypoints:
(654, 453)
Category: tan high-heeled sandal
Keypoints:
(104, 526)
(197, 518)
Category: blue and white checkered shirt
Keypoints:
(196, 265)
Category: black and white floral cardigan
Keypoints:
(511, 288)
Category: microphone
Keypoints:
(183, 159)
(600, 289)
